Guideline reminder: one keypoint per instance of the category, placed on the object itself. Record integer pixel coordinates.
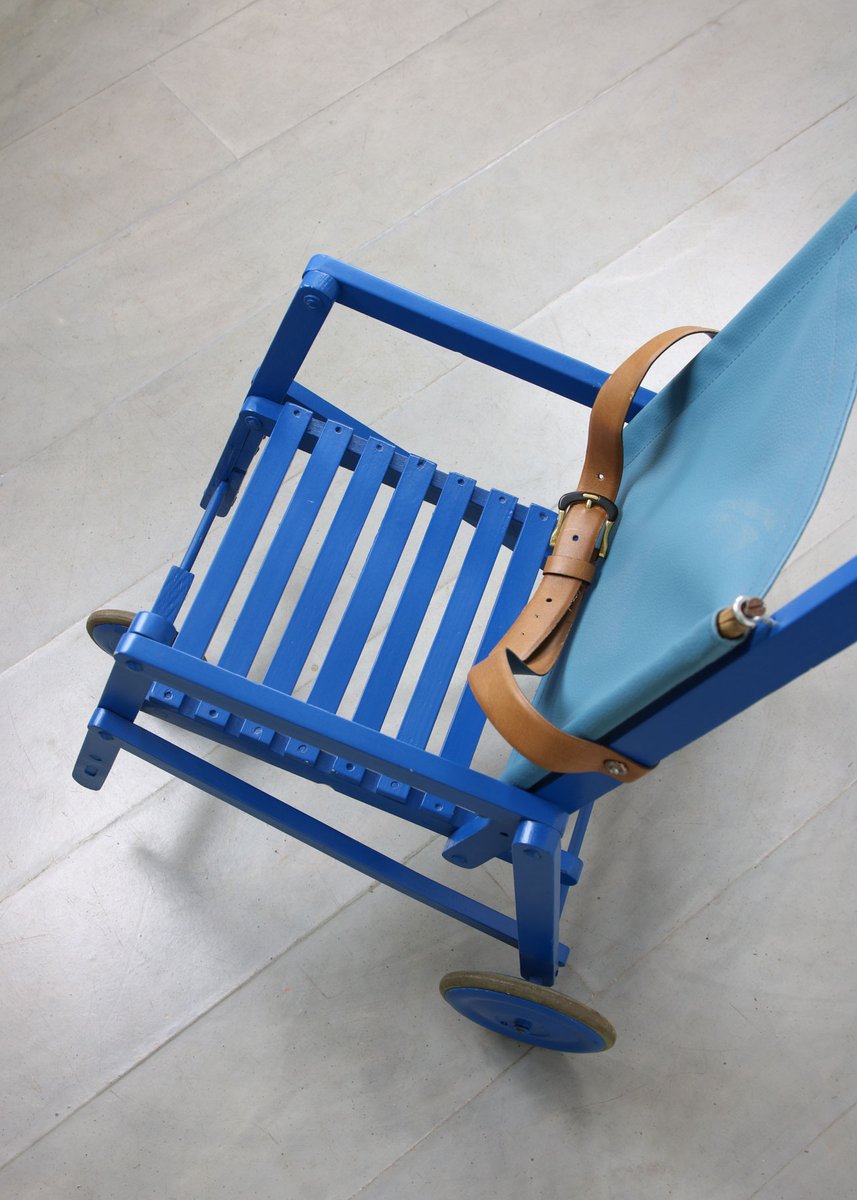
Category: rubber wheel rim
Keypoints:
(106, 625)
(527, 1012)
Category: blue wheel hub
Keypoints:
(527, 1012)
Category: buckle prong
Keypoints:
(590, 499)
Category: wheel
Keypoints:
(527, 1012)
(106, 625)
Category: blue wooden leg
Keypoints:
(123, 695)
(536, 861)
(127, 689)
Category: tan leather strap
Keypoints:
(540, 631)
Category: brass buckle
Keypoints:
(568, 500)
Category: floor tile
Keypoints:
(298, 1070)
(266, 69)
(126, 312)
(140, 929)
(45, 702)
(823, 1168)
(736, 1044)
(564, 221)
(95, 171)
(47, 63)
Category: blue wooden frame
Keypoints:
(164, 674)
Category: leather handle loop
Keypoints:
(540, 631)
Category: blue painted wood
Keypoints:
(455, 331)
(329, 732)
(414, 601)
(536, 871)
(298, 330)
(241, 533)
(326, 573)
(371, 587)
(212, 508)
(819, 623)
(285, 548)
(311, 764)
(466, 726)
(291, 821)
(424, 706)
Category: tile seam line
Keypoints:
(236, 158)
(312, 116)
(833, 535)
(771, 1179)
(596, 992)
(442, 36)
(121, 78)
(556, 122)
(518, 326)
(282, 296)
(440, 1124)
(361, 895)
(199, 120)
(250, 316)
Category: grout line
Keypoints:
(366, 891)
(440, 1124)
(557, 121)
(803, 1150)
(236, 158)
(196, 117)
(283, 133)
(600, 991)
(815, 547)
(393, 66)
(121, 78)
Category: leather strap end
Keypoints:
(533, 736)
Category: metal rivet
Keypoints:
(615, 767)
(312, 302)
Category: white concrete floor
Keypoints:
(193, 1005)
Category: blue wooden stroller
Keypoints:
(721, 472)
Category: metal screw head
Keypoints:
(754, 608)
(312, 301)
(614, 767)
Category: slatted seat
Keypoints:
(498, 530)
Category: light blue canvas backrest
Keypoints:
(723, 469)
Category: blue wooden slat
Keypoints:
(242, 532)
(381, 562)
(415, 599)
(285, 548)
(457, 619)
(466, 726)
(326, 573)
